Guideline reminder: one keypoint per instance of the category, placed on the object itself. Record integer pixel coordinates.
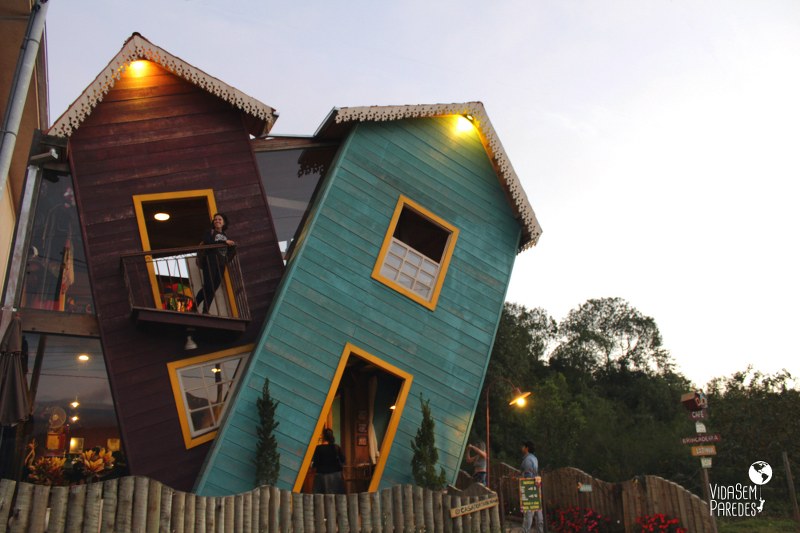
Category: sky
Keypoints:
(658, 142)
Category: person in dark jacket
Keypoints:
(328, 460)
(212, 262)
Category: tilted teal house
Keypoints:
(394, 285)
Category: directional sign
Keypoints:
(705, 462)
(699, 427)
(702, 439)
(704, 451)
(698, 415)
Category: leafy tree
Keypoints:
(607, 332)
(423, 463)
(267, 456)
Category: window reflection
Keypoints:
(56, 275)
(73, 408)
(206, 388)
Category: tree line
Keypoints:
(606, 399)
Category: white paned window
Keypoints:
(411, 269)
(206, 388)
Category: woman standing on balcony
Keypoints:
(212, 262)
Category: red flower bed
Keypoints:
(579, 520)
(660, 523)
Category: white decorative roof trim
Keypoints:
(532, 229)
(135, 48)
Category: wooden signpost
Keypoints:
(697, 405)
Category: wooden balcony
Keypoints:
(163, 285)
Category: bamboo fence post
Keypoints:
(341, 513)
(437, 509)
(285, 521)
(188, 513)
(139, 510)
(200, 509)
(215, 514)
(7, 487)
(375, 511)
(427, 509)
(274, 509)
(447, 522)
(211, 514)
(153, 505)
(387, 518)
(228, 515)
(165, 511)
(178, 512)
(330, 513)
(244, 512)
(408, 508)
(59, 496)
(41, 496)
(365, 512)
(419, 508)
(308, 513)
(352, 513)
(397, 509)
(297, 513)
(110, 488)
(458, 523)
(319, 513)
(495, 525)
(93, 507)
(263, 510)
(484, 514)
(75, 505)
(22, 508)
(466, 520)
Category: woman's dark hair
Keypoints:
(327, 436)
(224, 220)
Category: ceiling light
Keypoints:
(161, 217)
(75, 418)
(75, 403)
(83, 357)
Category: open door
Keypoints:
(363, 407)
(176, 222)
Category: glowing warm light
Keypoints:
(393, 407)
(464, 123)
(83, 357)
(75, 404)
(161, 217)
(75, 418)
(216, 370)
(519, 398)
(138, 68)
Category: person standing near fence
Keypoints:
(478, 461)
(530, 469)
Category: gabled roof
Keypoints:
(137, 47)
(531, 230)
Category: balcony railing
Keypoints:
(163, 286)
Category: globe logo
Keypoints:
(760, 472)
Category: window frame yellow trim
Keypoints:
(139, 199)
(177, 393)
(394, 421)
(444, 264)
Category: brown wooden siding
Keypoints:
(159, 133)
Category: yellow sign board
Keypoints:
(704, 451)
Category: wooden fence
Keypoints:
(623, 502)
(138, 504)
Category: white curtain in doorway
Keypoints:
(373, 440)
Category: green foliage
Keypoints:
(423, 463)
(267, 456)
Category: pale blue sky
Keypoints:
(658, 141)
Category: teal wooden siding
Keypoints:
(328, 298)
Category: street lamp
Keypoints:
(519, 399)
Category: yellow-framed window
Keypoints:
(416, 253)
(361, 414)
(146, 205)
(201, 387)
